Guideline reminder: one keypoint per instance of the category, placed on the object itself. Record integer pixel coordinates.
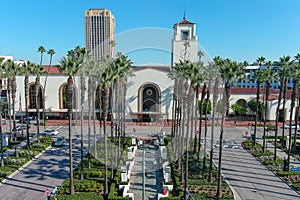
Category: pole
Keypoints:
(144, 178)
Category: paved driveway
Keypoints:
(48, 171)
(249, 178)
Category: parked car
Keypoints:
(293, 126)
(19, 128)
(49, 132)
(24, 121)
(59, 142)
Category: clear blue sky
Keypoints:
(237, 29)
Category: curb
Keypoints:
(24, 166)
(236, 195)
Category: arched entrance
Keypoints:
(149, 102)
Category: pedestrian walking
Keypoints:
(48, 194)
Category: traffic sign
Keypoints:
(295, 169)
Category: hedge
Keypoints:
(80, 196)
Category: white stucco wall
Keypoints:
(54, 82)
(150, 76)
(272, 105)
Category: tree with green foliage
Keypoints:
(268, 75)
(27, 69)
(282, 66)
(239, 110)
(70, 66)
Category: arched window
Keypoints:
(32, 97)
(63, 97)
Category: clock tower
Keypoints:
(184, 42)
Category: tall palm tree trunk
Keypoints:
(266, 115)
(83, 88)
(189, 104)
(89, 121)
(26, 83)
(205, 131)
(1, 134)
(219, 188)
(69, 105)
(228, 94)
(215, 100)
(196, 117)
(277, 118)
(13, 97)
(200, 124)
(256, 111)
(296, 85)
(291, 118)
(9, 88)
(284, 101)
(106, 101)
(37, 103)
(94, 126)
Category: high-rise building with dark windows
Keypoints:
(99, 32)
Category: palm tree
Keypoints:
(175, 75)
(295, 70)
(197, 78)
(27, 69)
(51, 52)
(82, 95)
(1, 108)
(11, 70)
(70, 66)
(230, 70)
(210, 82)
(295, 91)
(200, 53)
(214, 109)
(287, 63)
(123, 69)
(38, 71)
(282, 67)
(41, 50)
(203, 94)
(267, 76)
(261, 61)
(91, 71)
(223, 113)
(106, 79)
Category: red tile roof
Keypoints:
(53, 69)
(185, 22)
(251, 91)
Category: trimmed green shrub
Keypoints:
(80, 196)
(15, 161)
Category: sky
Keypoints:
(241, 30)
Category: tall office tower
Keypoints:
(184, 42)
(99, 32)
